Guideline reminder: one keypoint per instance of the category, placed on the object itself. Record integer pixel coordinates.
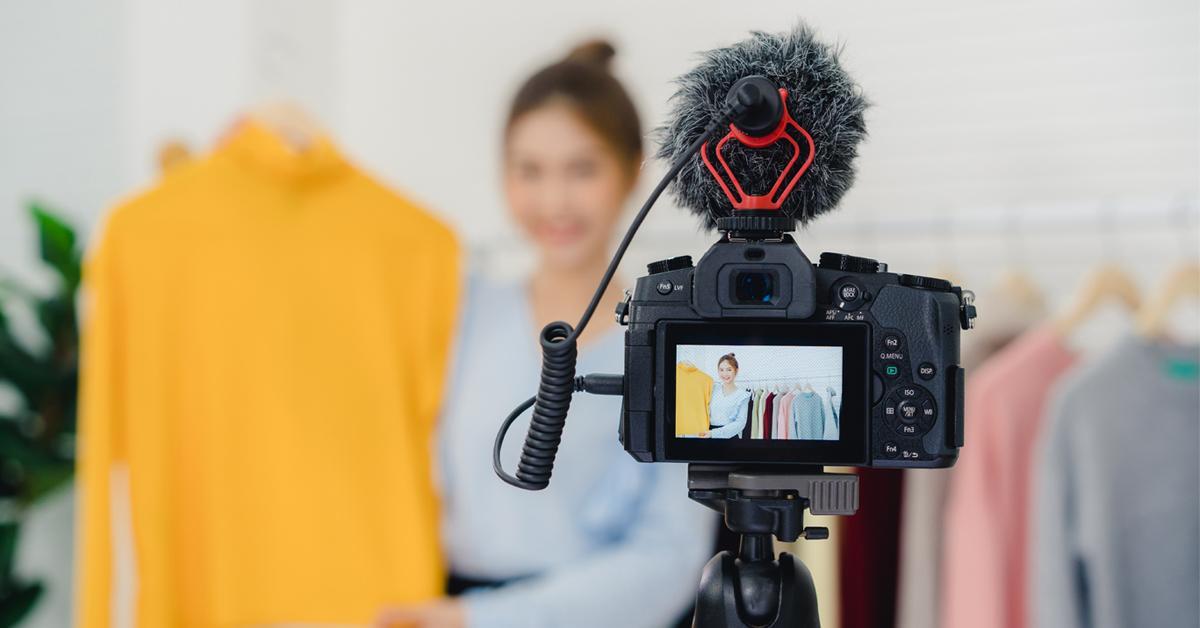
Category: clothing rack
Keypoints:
(787, 379)
(1154, 229)
(1118, 217)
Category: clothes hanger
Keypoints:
(1015, 285)
(1180, 283)
(948, 267)
(1108, 282)
(290, 122)
(171, 154)
(1018, 287)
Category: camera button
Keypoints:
(909, 413)
(890, 449)
(926, 370)
(665, 287)
(928, 412)
(848, 296)
(891, 370)
(891, 342)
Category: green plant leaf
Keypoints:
(11, 288)
(8, 549)
(57, 240)
(41, 469)
(14, 445)
(57, 316)
(26, 373)
(16, 602)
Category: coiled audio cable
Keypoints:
(559, 343)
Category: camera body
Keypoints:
(867, 360)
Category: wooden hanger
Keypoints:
(1107, 283)
(949, 274)
(1183, 281)
(290, 122)
(1017, 287)
(172, 153)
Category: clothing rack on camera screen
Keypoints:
(794, 378)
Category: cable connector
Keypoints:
(600, 384)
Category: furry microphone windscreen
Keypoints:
(822, 98)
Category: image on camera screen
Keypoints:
(758, 392)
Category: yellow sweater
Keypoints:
(265, 345)
(693, 391)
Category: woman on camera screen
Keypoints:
(729, 402)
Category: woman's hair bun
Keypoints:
(596, 52)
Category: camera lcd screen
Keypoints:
(769, 392)
(758, 392)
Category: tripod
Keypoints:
(754, 589)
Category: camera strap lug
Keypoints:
(966, 311)
(623, 308)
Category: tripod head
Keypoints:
(754, 588)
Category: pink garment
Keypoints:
(783, 414)
(986, 529)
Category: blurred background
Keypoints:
(1039, 139)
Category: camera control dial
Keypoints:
(665, 265)
(848, 263)
(925, 283)
(910, 410)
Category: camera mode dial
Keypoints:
(665, 265)
(925, 283)
(848, 263)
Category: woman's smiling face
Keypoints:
(565, 186)
(726, 371)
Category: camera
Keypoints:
(755, 355)
(867, 359)
(756, 366)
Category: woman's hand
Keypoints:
(443, 613)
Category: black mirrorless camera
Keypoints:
(866, 359)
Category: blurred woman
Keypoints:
(611, 542)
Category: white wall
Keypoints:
(985, 114)
(1000, 105)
